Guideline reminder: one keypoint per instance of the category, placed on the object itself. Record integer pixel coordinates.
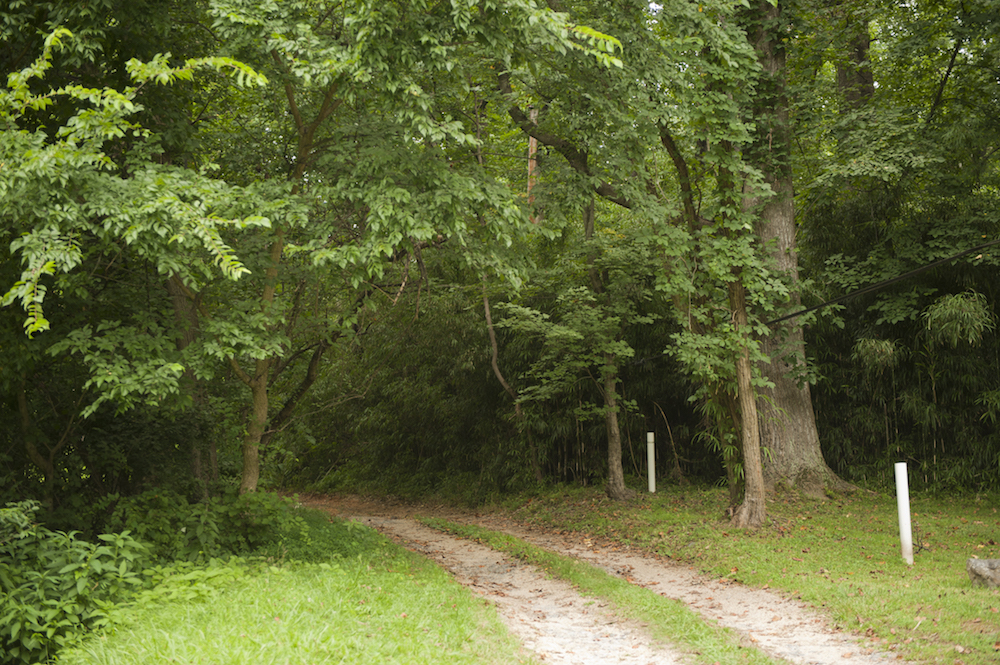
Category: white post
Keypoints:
(903, 504)
(651, 461)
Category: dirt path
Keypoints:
(560, 626)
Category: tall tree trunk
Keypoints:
(788, 423)
(753, 511)
(616, 476)
(258, 383)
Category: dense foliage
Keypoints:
(466, 247)
(57, 586)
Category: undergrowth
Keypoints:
(56, 587)
(379, 605)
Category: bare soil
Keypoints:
(559, 625)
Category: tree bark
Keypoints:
(255, 428)
(753, 511)
(788, 423)
(616, 476)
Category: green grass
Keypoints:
(841, 555)
(667, 620)
(384, 605)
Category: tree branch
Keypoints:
(576, 158)
(293, 106)
(683, 175)
(944, 81)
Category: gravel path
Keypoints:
(560, 626)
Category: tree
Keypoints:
(903, 182)
(787, 421)
(599, 297)
(369, 91)
(82, 202)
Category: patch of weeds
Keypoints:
(383, 605)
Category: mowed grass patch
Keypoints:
(840, 554)
(387, 606)
(667, 620)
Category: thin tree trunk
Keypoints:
(616, 475)
(28, 432)
(285, 414)
(258, 383)
(536, 466)
(32, 435)
(753, 511)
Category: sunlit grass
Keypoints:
(387, 607)
(667, 620)
(842, 555)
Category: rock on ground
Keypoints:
(984, 572)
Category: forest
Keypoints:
(470, 247)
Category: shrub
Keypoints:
(233, 524)
(54, 586)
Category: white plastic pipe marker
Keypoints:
(903, 504)
(651, 461)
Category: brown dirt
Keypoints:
(560, 626)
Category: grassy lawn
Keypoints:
(384, 605)
(842, 555)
